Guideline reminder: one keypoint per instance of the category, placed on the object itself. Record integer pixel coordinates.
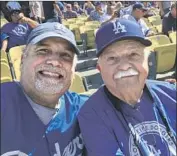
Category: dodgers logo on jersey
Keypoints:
(118, 27)
(153, 132)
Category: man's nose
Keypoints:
(124, 64)
(54, 61)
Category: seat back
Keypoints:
(5, 72)
(155, 20)
(77, 84)
(16, 53)
(4, 56)
(172, 36)
(165, 57)
(159, 40)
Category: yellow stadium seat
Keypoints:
(77, 84)
(172, 36)
(147, 22)
(153, 28)
(5, 73)
(15, 53)
(155, 20)
(76, 31)
(159, 29)
(80, 22)
(159, 40)
(3, 22)
(4, 57)
(165, 57)
(92, 23)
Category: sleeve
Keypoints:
(165, 26)
(4, 36)
(144, 26)
(98, 139)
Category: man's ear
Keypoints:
(98, 67)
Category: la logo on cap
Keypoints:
(118, 27)
(60, 27)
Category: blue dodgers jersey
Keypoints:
(106, 133)
(23, 133)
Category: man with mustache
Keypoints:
(38, 114)
(129, 115)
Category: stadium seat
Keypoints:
(3, 21)
(4, 57)
(172, 36)
(147, 22)
(5, 73)
(15, 53)
(159, 29)
(155, 20)
(78, 84)
(159, 40)
(75, 29)
(153, 28)
(165, 57)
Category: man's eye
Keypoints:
(42, 51)
(134, 56)
(111, 59)
(66, 56)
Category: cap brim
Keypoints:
(52, 34)
(144, 41)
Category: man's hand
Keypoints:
(22, 18)
(150, 33)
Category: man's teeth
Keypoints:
(125, 74)
(50, 74)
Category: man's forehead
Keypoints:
(124, 44)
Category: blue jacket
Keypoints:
(22, 132)
(132, 131)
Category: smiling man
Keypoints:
(38, 114)
(129, 115)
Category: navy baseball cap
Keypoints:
(139, 6)
(54, 29)
(117, 30)
(97, 3)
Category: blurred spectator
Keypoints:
(88, 7)
(138, 12)
(13, 5)
(36, 11)
(77, 8)
(169, 20)
(126, 11)
(104, 6)
(110, 15)
(69, 13)
(118, 6)
(164, 7)
(25, 8)
(5, 11)
(17, 30)
(60, 4)
(96, 14)
(52, 12)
